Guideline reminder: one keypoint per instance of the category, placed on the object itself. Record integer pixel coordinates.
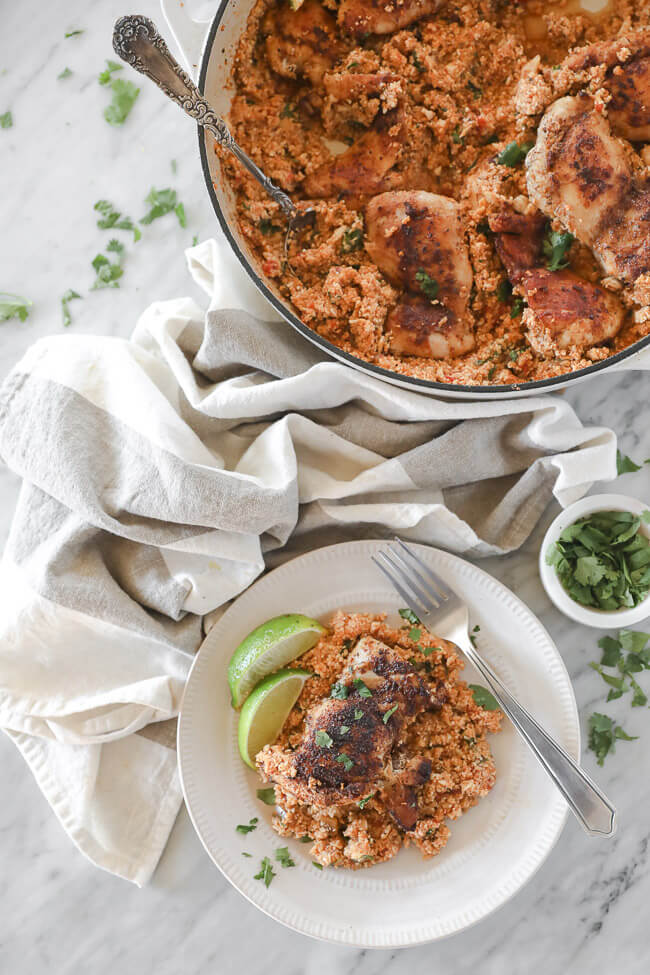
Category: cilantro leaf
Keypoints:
(387, 714)
(363, 690)
(69, 296)
(283, 857)
(358, 714)
(428, 285)
(611, 651)
(323, 740)
(66, 73)
(108, 273)
(415, 633)
(112, 219)
(179, 210)
(73, 33)
(104, 77)
(267, 796)
(13, 306)
(364, 802)
(252, 824)
(352, 240)
(266, 872)
(603, 732)
(124, 96)
(625, 464)
(6, 120)
(339, 691)
(409, 616)
(555, 247)
(483, 698)
(345, 761)
(160, 203)
(513, 154)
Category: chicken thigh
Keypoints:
(415, 238)
(302, 42)
(381, 17)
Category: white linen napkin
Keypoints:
(163, 473)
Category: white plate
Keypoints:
(494, 848)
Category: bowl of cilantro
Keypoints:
(595, 561)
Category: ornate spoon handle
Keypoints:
(136, 40)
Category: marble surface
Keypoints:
(586, 907)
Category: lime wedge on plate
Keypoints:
(266, 709)
(270, 646)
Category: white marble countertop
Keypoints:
(586, 907)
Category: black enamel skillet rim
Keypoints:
(422, 385)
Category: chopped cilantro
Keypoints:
(339, 691)
(415, 633)
(417, 63)
(409, 616)
(428, 285)
(267, 796)
(288, 111)
(283, 857)
(266, 872)
(352, 240)
(483, 698)
(66, 73)
(124, 96)
(364, 802)
(345, 761)
(363, 690)
(112, 219)
(323, 740)
(306, 839)
(456, 137)
(108, 272)
(555, 247)
(267, 226)
(513, 154)
(179, 210)
(518, 306)
(73, 33)
(625, 464)
(343, 730)
(603, 560)
(6, 120)
(388, 714)
(104, 77)
(195, 240)
(358, 714)
(69, 295)
(13, 306)
(319, 866)
(244, 854)
(252, 824)
(603, 732)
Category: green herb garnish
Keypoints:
(288, 111)
(345, 761)
(415, 633)
(13, 306)
(69, 296)
(388, 713)
(283, 857)
(343, 730)
(456, 137)
(483, 698)
(358, 714)
(513, 154)
(625, 464)
(363, 690)
(160, 203)
(73, 33)
(266, 873)
(352, 240)
(518, 306)
(339, 691)
(267, 796)
(123, 100)
(364, 802)
(323, 740)
(6, 120)
(409, 616)
(475, 89)
(104, 77)
(112, 219)
(267, 226)
(244, 854)
(417, 63)
(108, 272)
(64, 74)
(319, 866)
(603, 560)
(252, 824)
(179, 210)
(603, 732)
(428, 285)
(555, 247)
(306, 839)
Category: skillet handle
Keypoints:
(136, 40)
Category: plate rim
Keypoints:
(352, 940)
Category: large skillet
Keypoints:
(208, 49)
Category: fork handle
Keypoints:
(587, 802)
(137, 41)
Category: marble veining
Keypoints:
(586, 908)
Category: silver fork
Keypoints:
(442, 612)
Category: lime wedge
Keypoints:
(270, 646)
(266, 709)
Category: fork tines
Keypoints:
(423, 591)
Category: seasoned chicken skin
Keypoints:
(343, 757)
(415, 238)
(563, 310)
(581, 174)
(382, 16)
(302, 42)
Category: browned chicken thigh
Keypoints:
(350, 744)
(563, 309)
(382, 16)
(415, 238)
(302, 42)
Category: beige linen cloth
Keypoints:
(161, 475)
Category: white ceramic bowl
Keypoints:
(600, 618)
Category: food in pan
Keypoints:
(479, 172)
(384, 745)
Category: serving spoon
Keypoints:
(137, 41)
